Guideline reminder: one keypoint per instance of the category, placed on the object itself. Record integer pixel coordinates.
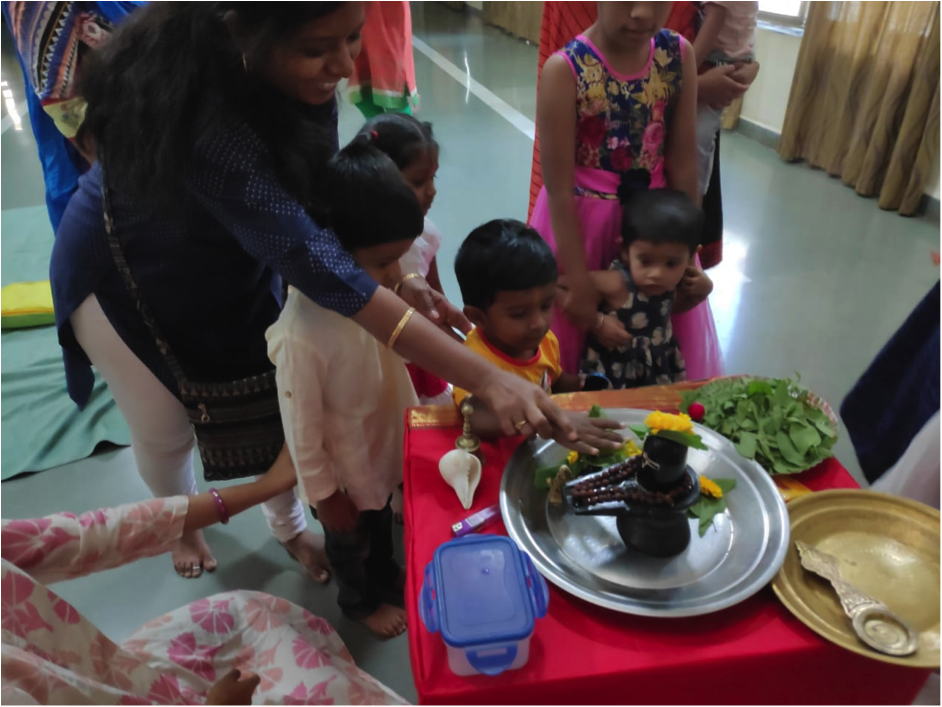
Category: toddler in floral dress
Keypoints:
(661, 230)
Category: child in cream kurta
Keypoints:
(343, 401)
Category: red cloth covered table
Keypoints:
(752, 653)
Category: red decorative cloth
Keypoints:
(752, 653)
(427, 385)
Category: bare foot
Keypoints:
(307, 549)
(387, 621)
(192, 555)
(396, 504)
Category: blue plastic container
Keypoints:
(484, 596)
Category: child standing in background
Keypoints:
(411, 145)
(383, 79)
(616, 109)
(727, 36)
(343, 395)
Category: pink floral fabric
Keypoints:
(52, 654)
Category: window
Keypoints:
(783, 13)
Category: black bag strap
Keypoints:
(114, 243)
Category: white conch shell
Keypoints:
(461, 471)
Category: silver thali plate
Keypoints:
(584, 555)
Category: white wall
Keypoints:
(767, 99)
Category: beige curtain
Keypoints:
(864, 102)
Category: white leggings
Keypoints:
(161, 435)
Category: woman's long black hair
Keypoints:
(171, 74)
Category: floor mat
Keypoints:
(42, 427)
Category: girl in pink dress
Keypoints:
(616, 110)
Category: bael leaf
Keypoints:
(726, 485)
(595, 411)
(746, 445)
(825, 427)
(706, 509)
(758, 387)
(640, 430)
(787, 449)
(684, 438)
(544, 475)
(597, 462)
(804, 438)
(737, 407)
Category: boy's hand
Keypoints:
(594, 433)
(569, 383)
(612, 333)
(337, 513)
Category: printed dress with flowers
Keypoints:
(54, 655)
(622, 123)
(652, 357)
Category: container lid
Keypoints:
(482, 591)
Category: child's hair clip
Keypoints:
(374, 136)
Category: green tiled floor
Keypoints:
(815, 280)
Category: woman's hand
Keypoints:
(433, 304)
(611, 333)
(337, 513)
(594, 433)
(234, 689)
(580, 300)
(718, 86)
(522, 407)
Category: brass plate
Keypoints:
(887, 547)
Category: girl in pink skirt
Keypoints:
(617, 107)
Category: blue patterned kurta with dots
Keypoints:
(209, 266)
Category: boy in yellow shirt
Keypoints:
(507, 275)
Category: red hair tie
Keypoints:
(374, 136)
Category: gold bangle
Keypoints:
(400, 326)
(403, 280)
(598, 323)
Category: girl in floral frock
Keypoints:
(617, 109)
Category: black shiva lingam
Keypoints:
(649, 495)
